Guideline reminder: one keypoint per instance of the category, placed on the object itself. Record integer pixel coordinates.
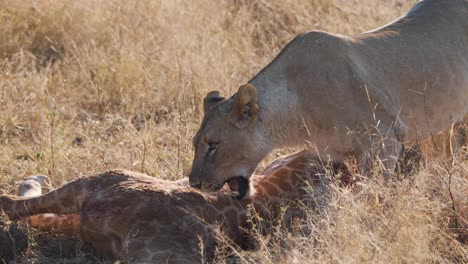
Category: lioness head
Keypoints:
(229, 144)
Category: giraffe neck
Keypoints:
(281, 179)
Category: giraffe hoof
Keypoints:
(239, 186)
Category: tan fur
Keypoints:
(245, 109)
(359, 96)
(137, 218)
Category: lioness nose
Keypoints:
(194, 183)
(195, 179)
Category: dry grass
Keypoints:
(91, 85)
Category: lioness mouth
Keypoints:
(239, 186)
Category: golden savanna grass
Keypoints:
(87, 86)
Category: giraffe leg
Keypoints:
(53, 202)
(64, 200)
(67, 224)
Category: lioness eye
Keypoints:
(212, 148)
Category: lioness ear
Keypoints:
(211, 99)
(245, 108)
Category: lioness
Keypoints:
(358, 96)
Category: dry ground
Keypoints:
(87, 86)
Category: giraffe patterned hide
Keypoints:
(136, 218)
